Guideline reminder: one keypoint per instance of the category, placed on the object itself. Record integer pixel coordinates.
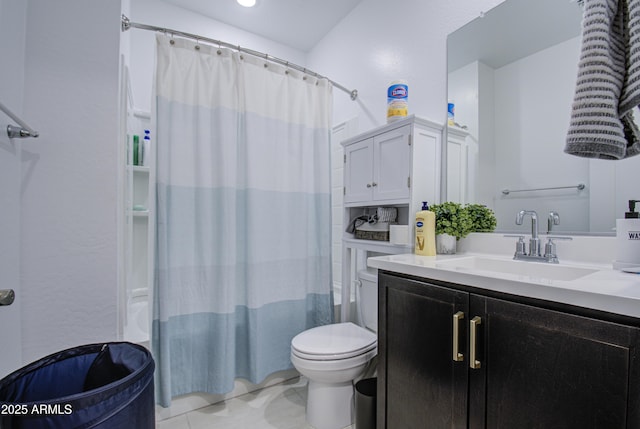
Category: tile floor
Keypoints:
(278, 407)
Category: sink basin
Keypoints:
(534, 270)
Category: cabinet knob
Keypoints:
(374, 184)
(368, 185)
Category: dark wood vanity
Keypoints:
(455, 356)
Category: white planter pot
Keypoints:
(445, 244)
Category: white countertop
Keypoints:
(605, 289)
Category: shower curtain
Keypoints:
(243, 211)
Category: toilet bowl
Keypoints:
(332, 357)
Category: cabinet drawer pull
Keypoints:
(473, 328)
(457, 356)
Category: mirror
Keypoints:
(511, 77)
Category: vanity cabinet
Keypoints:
(453, 357)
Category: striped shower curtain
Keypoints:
(243, 210)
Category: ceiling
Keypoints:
(300, 24)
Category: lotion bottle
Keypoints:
(425, 232)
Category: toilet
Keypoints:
(333, 356)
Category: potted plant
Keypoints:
(483, 219)
(453, 222)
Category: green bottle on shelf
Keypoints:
(136, 144)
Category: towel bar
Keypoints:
(579, 186)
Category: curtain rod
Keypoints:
(127, 24)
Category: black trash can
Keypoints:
(106, 386)
(366, 394)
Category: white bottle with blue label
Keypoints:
(628, 240)
(146, 148)
(397, 100)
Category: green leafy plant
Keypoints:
(452, 219)
(482, 217)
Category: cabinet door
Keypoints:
(546, 369)
(358, 172)
(419, 383)
(391, 165)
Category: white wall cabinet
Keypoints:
(397, 165)
(378, 168)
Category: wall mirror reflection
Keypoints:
(511, 77)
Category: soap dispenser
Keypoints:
(628, 239)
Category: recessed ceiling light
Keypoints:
(247, 3)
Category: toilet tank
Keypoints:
(368, 302)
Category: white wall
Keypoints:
(12, 33)
(381, 41)
(69, 174)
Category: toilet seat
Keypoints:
(333, 342)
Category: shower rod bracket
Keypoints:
(126, 23)
(19, 132)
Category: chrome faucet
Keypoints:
(534, 243)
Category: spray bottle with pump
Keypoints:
(628, 240)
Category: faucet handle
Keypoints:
(520, 246)
(550, 248)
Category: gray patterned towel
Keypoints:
(608, 84)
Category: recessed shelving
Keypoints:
(139, 169)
